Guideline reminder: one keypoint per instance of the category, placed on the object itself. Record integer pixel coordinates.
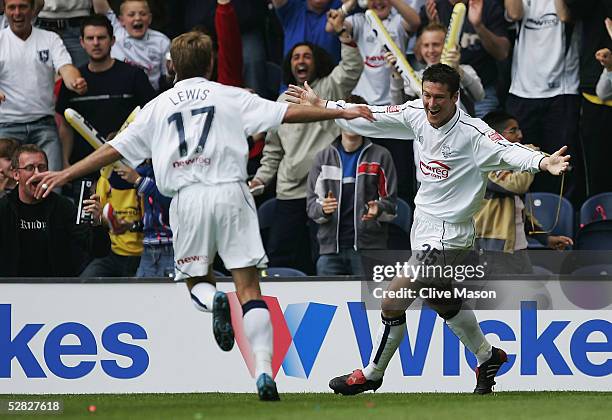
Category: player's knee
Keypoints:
(447, 308)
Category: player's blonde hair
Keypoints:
(191, 55)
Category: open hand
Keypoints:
(559, 242)
(556, 163)
(304, 96)
(475, 12)
(47, 181)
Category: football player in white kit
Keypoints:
(196, 134)
(456, 154)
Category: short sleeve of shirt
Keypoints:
(259, 114)
(358, 22)
(134, 143)
(59, 53)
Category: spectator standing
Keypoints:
(544, 98)
(289, 152)
(137, 44)
(374, 82)
(29, 60)
(64, 17)
(484, 41)
(352, 188)
(114, 90)
(596, 111)
(40, 237)
(304, 21)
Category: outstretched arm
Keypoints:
(389, 121)
(47, 181)
(301, 114)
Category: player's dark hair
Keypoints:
(97, 20)
(498, 119)
(322, 60)
(8, 147)
(26, 148)
(443, 74)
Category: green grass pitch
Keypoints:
(502, 405)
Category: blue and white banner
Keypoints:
(115, 338)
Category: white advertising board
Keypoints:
(119, 338)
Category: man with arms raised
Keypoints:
(196, 134)
(456, 154)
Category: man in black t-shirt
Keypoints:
(40, 238)
(114, 90)
(484, 41)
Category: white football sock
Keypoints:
(466, 328)
(202, 295)
(388, 339)
(258, 330)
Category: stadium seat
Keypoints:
(265, 214)
(544, 208)
(399, 229)
(596, 208)
(595, 236)
(282, 272)
(594, 270)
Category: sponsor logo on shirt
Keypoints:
(494, 136)
(201, 259)
(434, 169)
(545, 21)
(394, 108)
(375, 61)
(43, 56)
(199, 160)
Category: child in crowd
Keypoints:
(135, 42)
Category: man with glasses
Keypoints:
(501, 224)
(40, 237)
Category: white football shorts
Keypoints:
(207, 219)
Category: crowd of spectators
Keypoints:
(537, 71)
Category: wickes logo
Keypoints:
(300, 331)
(18, 348)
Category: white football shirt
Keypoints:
(148, 53)
(545, 62)
(197, 132)
(454, 160)
(27, 74)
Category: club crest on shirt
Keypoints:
(127, 44)
(494, 135)
(43, 56)
(446, 151)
